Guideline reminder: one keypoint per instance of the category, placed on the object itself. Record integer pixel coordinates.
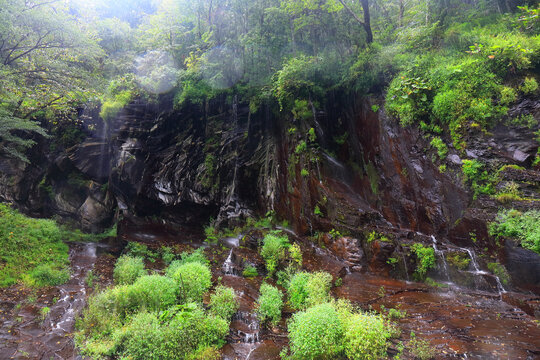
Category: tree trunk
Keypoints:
(367, 21)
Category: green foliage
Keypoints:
(151, 292)
(301, 147)
(508, 95)
(316, 333)
(194, 279)
(530, 86)
(223, 302)
(295, 253)
(46, 275)
(31, 250)
(425, 259)
(269, 304)
(250, 271)
(136, 249)
(421, 349)
(273, 251)
(477, 177)
(499, 270)
(522, 226)
(317, 211)
(458, 259)
(119, 93)
(167, 255)
(308, 289)
(365, 336)
(304, 173)
(127, 269)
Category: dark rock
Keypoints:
(523, 266)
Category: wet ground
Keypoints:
(458, 323)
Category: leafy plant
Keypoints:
(521, 226)
(224, 302)
(425, 259)
(269, 304)
(193, 279)
(127, 269)
(250, 271)
(273, 251)
(316, 333)
(499, 270)
(308, 289)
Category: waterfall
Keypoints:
(440, 254)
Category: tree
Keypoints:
(47, 62)
(366, 23)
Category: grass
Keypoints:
(31, 250)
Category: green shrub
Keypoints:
(224, 302)
(250, 271)
(152, 292)
(46, 275)
(269, 304)
(518, 225)
(127, 269)
(508, 95)
(196, 256)
(365, 336)
(145, 338)
(194, 279)
(442, 149)
(136, 249)
(308, 289)
(477, 177)
(273, 251)
(167, 255)
(316, 333)
(295, 253)
(459, 259)
(181, 333)
(530, 85)
(425, 256)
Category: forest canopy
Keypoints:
(60, 57)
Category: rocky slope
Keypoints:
(346, 168)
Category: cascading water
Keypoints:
(228, 266)
(440, 254)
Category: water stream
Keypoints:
(50, 337)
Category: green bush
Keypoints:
(196, 256)
(224, 302)
(194, 279)
(46, 275)
(308, 289)
(316, 333)
(522, 226)
(477, 177)
(269, 304)
(127, 269)
(508, 95)
(136, 249)
(530, 85)
(250, 271)
(152, 292)
(365, 336)
(145, 338)
(180, 333)
(442, 149)
(273, 251)
(425, 256)
(167, 255)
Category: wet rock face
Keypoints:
(523, 265)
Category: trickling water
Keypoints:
(228, 265)
(482, 273)
(405, 265)
(440, 254)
